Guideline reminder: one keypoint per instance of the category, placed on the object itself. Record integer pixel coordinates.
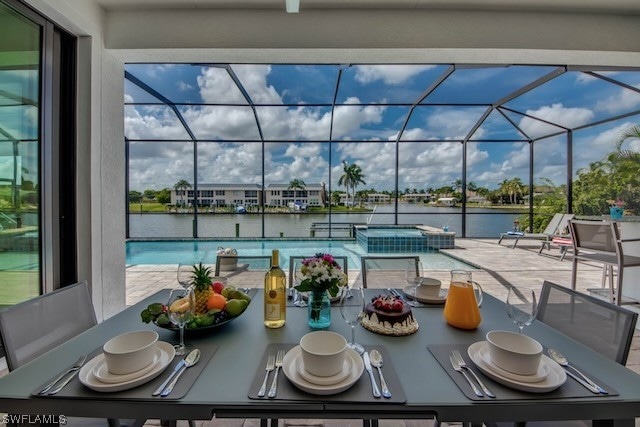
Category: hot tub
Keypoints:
(389, 239)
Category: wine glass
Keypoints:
(185, 274)
(298, 277)
(413, 276)
(522, 306)
(181, 305)
(352, 311)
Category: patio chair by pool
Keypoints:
(554, 228)
(562, 239)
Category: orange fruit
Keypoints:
(216, 301)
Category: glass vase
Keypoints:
(319, 310)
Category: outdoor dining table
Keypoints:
(424, 389)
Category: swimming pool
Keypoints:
(192, 251)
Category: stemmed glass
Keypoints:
(352, 311)
(185, 274)
(522, 306)
(413, 277)
(298, 300)
(181, 305)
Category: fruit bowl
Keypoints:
(197, 330)
(219, 312)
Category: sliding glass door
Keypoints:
(20, 112)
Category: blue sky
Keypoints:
(373, 103)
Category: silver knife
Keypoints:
(178, 366)
(367, 366)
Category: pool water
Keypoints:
(193, 251)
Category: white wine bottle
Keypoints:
(275, 299)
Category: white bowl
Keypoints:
(513, 352)
(323, 353)
(130, 352)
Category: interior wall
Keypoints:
(371, 29)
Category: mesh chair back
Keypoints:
(294, 262)
(598, 324)
(33, 327)
(592, 235)
(246, 271)
(386, 271)
(554, 223)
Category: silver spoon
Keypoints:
(376, 360)
(562, 361)
(191, 359)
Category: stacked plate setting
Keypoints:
(518, 369)
(128, 360)
(293, 368)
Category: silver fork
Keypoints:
(463, 365)
(457, 368)
(76, 366)
(274, 384)
(271, 362)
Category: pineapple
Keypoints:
(202, 287)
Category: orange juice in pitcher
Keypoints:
(462, 306)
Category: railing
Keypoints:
(330, 227)
(7, 220)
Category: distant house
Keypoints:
(414, 197)
(378, 198)
(447, 201)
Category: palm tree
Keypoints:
(296, 183)
(631, 132)
(351, 178)
(182, 185)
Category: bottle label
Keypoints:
(273, 312)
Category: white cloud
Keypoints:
(184, 86)
(152, 122)
(389, 74)
(569, 117)
(624, 100)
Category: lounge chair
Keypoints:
(556, 227)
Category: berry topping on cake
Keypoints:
(388, 304)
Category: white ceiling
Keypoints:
(601, 6)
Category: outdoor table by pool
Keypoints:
(224, 386)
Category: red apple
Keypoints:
(217, 287)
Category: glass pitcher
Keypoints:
(461, 308)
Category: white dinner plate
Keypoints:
(289, 367)
(101, 371)
(554, 379)
(333, 379)
(543, 368)
(86, 377)
(440, 299)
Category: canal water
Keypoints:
(481, 222)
